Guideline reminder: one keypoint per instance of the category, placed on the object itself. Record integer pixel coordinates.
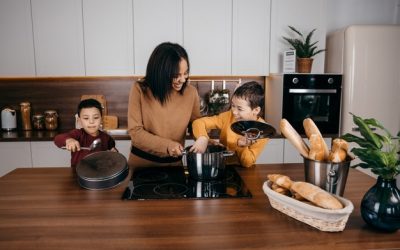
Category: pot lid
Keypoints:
(253, 129)
(101, 165)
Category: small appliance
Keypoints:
(8, 119)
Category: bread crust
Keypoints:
(310, 128)
(317, 151)
(280, 180)
(316, 195)
(291, 134)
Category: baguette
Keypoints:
(291, 134)
(310, 128)
(280, 180)
(316, 195)
(317, 151)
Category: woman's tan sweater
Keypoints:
(152, 127)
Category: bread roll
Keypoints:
(291, 134)
(316, 195)
(317, 151)
(338, 155)
(340, 144)
(281, 180)
(310, 128)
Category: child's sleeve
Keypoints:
(60, 139)
(248, 155)
(202, 125)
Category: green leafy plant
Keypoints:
(303, 45)
(377, 151)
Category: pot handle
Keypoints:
(228, 153)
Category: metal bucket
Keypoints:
(329, 176)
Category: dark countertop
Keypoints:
(44, 208)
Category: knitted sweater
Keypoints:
(152, 127)
(247, 156)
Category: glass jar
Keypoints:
(26, 115)
(38, 122)
(51, 119)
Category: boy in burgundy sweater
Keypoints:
(90, 118)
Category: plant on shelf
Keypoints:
(378, 151)
(305, 49)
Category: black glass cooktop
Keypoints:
(175, 183)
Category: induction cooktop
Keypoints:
(151, 183)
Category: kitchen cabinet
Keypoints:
(108, 41)
(272, 153)
(14, 155)
(154, 25)
(250, 37)
(304, 15)
(58, 37)
(47, 154)
(207, 34)
(16, 40)
(124, 147)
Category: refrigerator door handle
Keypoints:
(312, 91)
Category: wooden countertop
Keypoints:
(44, 208)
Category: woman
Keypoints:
(161, 106)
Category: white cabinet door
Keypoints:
(58, 37)
(124, 147)
(250, 38)
(155, 21)
(207, 32)
(273, 152)
(108, 31)
(46, 154)
(16, 39)
(14, 155)
(304, 15)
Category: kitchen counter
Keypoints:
(44, 208)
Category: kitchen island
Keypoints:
(44, 208)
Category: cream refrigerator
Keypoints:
(368, 57)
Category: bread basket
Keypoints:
(323, 219)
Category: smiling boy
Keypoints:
(246, 104)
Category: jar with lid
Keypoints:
(26, 115)
(51, 119)
(38, 122)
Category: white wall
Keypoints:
(342, 13)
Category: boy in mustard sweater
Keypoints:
(246, 104)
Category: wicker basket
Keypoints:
(320, 218)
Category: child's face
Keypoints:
(241, 109)
(90, 120)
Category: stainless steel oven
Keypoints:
(299, 96)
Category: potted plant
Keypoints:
(379, 151)
(305, 49)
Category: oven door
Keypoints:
(321, 105)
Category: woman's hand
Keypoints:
(72, 145)
(175, 150)
(200, 145)
(245, 142)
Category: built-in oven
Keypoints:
(299, 96)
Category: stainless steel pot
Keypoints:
(209, 165)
